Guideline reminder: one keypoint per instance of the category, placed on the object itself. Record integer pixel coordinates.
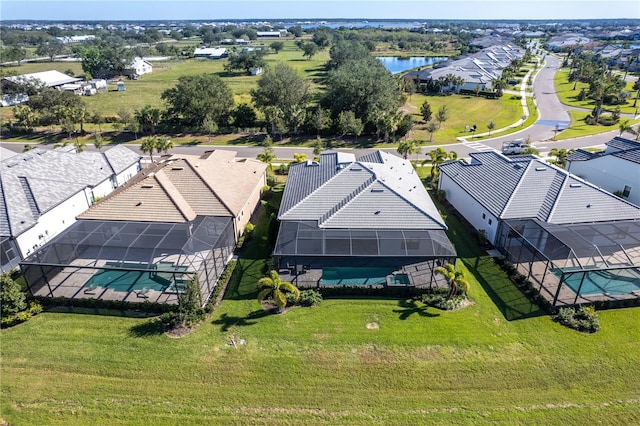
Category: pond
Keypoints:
(396, 64)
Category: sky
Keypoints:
(308, 9)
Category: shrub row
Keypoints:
(525, 286)
(34, 309)
(583, 318)
(120, 305)
(396, 292)
(307, 298)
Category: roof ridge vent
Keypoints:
(147, 185)
(575, 185)
(177, 168)
(540, 169)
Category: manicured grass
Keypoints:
(497, 362)
(463, 111)
(579, 128)
(568, 96)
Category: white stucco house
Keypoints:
(138, 67)
(616, 169)
(42, 191)
(493, 188)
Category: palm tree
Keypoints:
(561, 156)
(164, 145)
(406, 148)
(98, 141)
(455, 279)
(436, 156)
(149, 144)
(626, 127)
(267, 156)
(272, 287)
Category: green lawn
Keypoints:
(578, 127)
(568, 96)
(463, 111)
(498, 362)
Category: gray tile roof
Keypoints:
(524, 187)
(377, 191)
(625, 149)
(38, 180)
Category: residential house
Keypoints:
(616, 169)
(366, 221)
(137, 68)
(42, 191)
(578, 242)
(177, 220)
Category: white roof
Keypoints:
(47, 78)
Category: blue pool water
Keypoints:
(599, 282)
(355, 275)
(127, 281)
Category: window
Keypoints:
(490, 221)
(484, 216)
(627, 191)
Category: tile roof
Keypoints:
(525, 187)
(377, 191)
(36, 181)
(625, 149)
(183, 187)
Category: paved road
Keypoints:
(551, 112)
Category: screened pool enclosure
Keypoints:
(575, 264)
(312, 257)
(132, 261)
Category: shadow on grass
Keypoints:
(149, 328)
(507, 297)
(227, 321)
(413, 307)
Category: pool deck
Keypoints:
(310, 276)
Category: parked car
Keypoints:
(516, 146)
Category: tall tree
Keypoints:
(245, 60)
(442, 115)
(105, 58)
(283, 88)
(364, 87)
(277, 46)
(197, 97)
(425, 111)
(148, 117)
(244, 116)
(51, 49)
(348, 124)
(272, 287)
(164, 144)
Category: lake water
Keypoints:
(397, 64)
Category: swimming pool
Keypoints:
(127, 281)
(356, 275)
(600, 282)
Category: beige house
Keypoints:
(177, 219)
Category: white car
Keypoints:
(516, 146)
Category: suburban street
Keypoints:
(552, 114)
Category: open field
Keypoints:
(463, 111)
(499, 361)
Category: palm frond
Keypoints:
(264, 294)
(266, 282)
(290, 288)
(280, 299)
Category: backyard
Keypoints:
(353, 360)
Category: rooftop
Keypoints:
(36, 181)
(526, 187)
(46, 78)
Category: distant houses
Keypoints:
(478, 70)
